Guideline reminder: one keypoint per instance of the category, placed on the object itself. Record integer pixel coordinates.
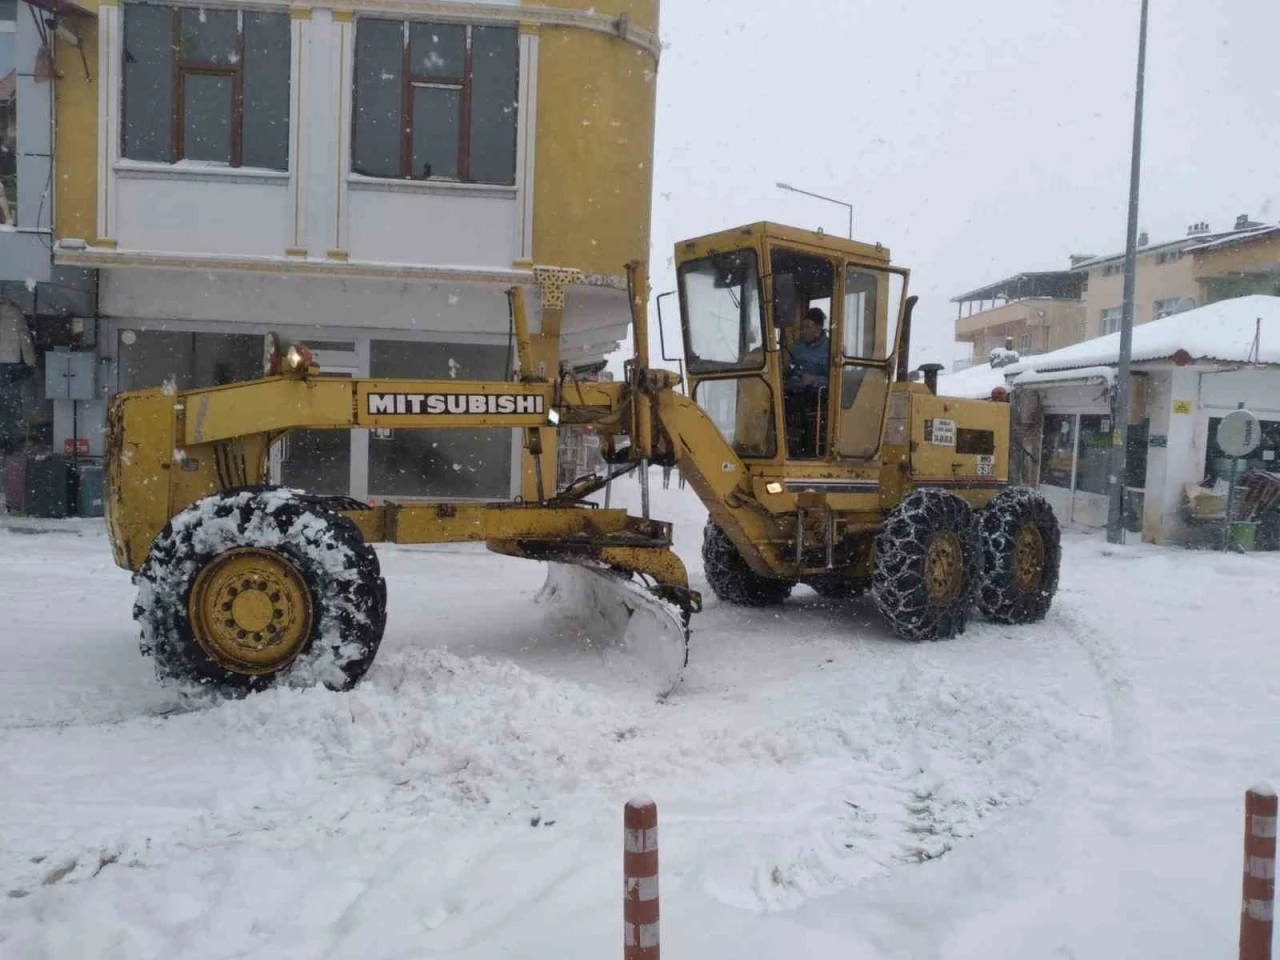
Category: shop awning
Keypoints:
(1080, 376)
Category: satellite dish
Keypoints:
(1239, 433)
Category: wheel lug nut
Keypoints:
(275, 597)
(277, 614)
(240, 634)
(245, 584)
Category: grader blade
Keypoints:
(612, 610)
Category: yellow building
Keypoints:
(1029, 312)
(1166, 278)
(370, 177)
(1239, 265)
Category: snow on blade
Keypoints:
(619, 618)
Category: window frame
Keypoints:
(182, 69)
(409, 82)
(1110, 313)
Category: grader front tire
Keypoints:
(928, 566)
(245, 588)
(730, 577)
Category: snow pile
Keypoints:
(823, 789)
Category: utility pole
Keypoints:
(1119, 452)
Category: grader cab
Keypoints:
(818, 459)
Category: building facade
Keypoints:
(1030, 313)
(1189, 371)
(1238, 266)
(1167, 278)
(368, 177)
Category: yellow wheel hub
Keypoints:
(944, 567)
(1028, 558)
(251, 610)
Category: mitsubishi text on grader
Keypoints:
(868, 482)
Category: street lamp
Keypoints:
(818, 196)
(1119, 452)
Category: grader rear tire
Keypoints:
(730, 577)
(1022, 554)
(928, 566)
(244, 589)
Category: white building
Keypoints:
(1190, 370)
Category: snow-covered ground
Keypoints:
(1070, 790)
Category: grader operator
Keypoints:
(878, 485)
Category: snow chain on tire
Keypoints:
(338, 576)
(730, 577)
(1019, 534)
(925, 521)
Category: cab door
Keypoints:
(869, 313)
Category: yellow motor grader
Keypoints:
(847, 475)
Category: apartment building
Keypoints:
(1238, 265)
(369, 176)
(1033, 312)
(1041, 311)
(1166, 277)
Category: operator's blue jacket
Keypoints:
(813, 358)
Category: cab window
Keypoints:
(724, 328)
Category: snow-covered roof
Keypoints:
(973, 383)
(1228, 241)
(1199, 241)
(1222, 331)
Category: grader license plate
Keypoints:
(940, 432)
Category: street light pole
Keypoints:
(818, 196)
(1119, 452)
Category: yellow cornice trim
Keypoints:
(108, 3)
(99, 257)
(529, 28)
(535, 17)
(295, 251)
(299, 13)
(344, 16)
(105, 242)
(338, 255)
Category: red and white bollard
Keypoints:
(1259, 873)
(640, 873)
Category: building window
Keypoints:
(1167, 308)
(1169, 256)
(1058, 450)
(435, 101)
(454, 463)
(208, 86)
(8, 113)
(1026, 341)
(1109, 321)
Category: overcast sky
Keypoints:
(975, 139)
